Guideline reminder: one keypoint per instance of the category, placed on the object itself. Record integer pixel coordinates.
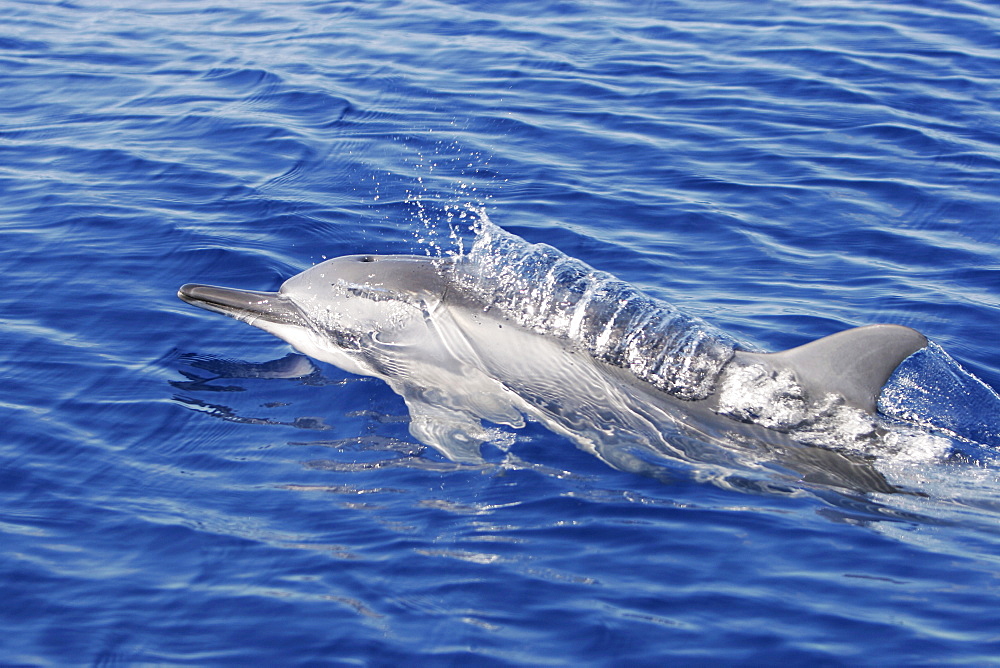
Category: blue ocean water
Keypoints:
(784, 170)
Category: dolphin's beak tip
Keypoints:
(190, 292)
(184, 292)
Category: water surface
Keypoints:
(782, 170)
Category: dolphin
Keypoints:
(465, 340)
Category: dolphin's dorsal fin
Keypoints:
(855, 363)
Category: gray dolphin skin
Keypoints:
(458, 346)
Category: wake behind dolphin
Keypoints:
(514, 331)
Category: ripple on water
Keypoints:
(783, 170)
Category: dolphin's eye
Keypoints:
(367, 258)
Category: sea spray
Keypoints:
(544, 290)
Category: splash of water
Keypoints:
(445, 197)
(545, 291)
